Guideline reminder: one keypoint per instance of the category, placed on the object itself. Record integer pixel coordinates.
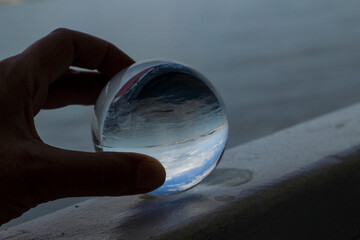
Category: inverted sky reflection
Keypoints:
(167, 111)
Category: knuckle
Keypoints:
(9, 67)
(62, 36)
(13, 71)
(61, 31)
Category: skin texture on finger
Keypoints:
(16, 112)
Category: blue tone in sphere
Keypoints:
(166, 110)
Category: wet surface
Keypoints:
(228, 177)
(153, 213)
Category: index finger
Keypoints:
(52, 55)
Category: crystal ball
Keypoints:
(166, 110)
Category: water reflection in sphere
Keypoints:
(166, 110)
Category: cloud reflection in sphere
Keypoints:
(166, 110)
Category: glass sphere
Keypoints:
(166, 110)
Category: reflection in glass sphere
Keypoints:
(166, 110)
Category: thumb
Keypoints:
(72, 174)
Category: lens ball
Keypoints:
(166, 110)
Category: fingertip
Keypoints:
(150, 174)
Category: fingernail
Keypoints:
(150, 175)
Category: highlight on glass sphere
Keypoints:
(166, 110)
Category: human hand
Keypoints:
(32, 172)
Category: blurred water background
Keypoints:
(275, 62)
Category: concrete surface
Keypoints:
(300, 183)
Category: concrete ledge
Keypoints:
(300, 183)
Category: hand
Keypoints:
(32, 172)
